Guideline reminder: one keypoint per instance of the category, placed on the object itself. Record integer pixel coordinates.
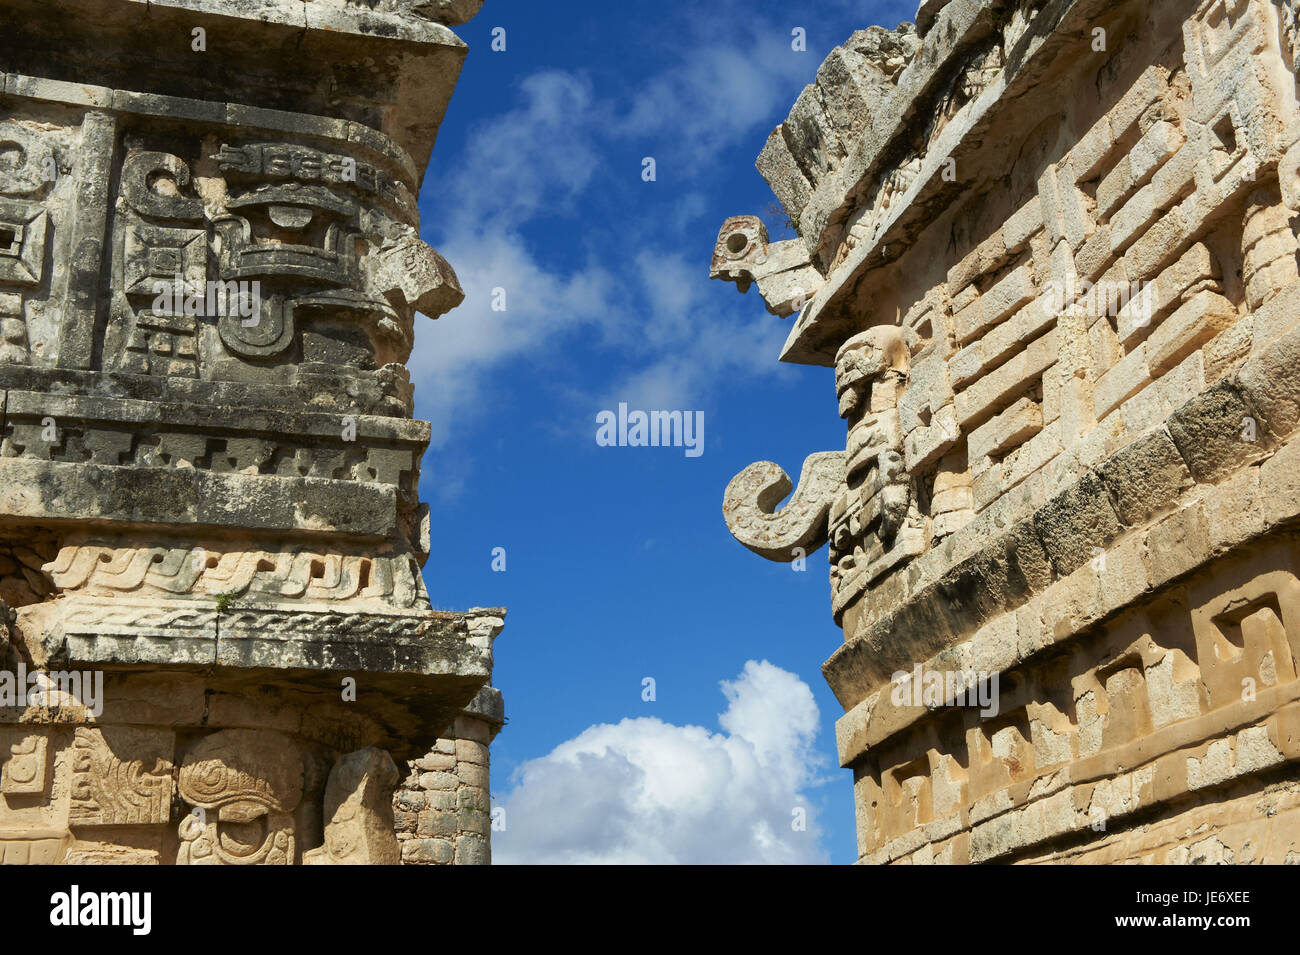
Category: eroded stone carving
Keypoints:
(22, 242)
(121, 776)
(1065, 350)
(210, 269)
(26, 763)
(359, 812)
(749, 506)
(247, 784)
(785, 276)
(101, 569)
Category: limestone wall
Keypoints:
(1057, 280)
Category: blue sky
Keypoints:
(618, 565)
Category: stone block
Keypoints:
(1214, 432)
(1196, 321)
(1145, 477)
(1077, 523)
(427, 852)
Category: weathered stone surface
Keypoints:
(452, 792)
(359, 825)
(1145, 477)
(1217, 432)
(800, 526)
(786, 279)
(210, 528)
(1090, 263)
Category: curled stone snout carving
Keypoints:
(749, 506)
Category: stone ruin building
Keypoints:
(218, 646)
(1049, 248)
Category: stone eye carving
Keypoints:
(247, 784)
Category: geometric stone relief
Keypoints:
(1091, 310)
(121, 776)
(143, 177)
(154, 254)
(33, 847)
(1145, 682)
(154, 258)
(26, 762)
(1247, 621)
(212, 571)
(287, 226)
(22, 242)
(235, 491)
(159, 445)
(302, 165)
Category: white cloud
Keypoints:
(645, 791)
(531, 160)
(718, 93)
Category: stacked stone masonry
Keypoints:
(218, 646)
(1053, 264)
(443, 808)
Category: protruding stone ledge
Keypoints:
(414, 62)
(55, 494)
(303, 393)
(1012, 554)
(843, 247)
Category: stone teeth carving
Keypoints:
(271, 162)
(798, 528)
(330, 260)
(247, 784)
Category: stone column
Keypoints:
(443, 807)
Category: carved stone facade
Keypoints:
(218, 645)
(1052, 258)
